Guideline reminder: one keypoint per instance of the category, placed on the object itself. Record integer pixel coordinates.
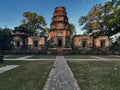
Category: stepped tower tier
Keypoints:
(59, 34)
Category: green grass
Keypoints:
(43, 57)
(78, 57)
(30, 75)
(13, 56)
(97, 75)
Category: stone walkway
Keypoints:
(27, 58)
(61, 77)
(115, 56)
(8, 67)
(100, 59)
(94, 58)
(97, 57)
(21, 58)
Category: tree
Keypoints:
(115, 46)
(102, 18)
(5, 39)
(91, 21)
(45, 31)
(33, 22)
(73, 29)
(112, 17)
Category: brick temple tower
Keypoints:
(20, 38)
(59, 34)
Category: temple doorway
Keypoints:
(35, 43)
(60, 43)
(17, 44)
(102, 43)
(84, 43)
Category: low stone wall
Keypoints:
(24, 52)
(59, 51)
(91, 51)
(81, 51)
(64, 51)
(116, 53)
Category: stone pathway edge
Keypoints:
(75, 81)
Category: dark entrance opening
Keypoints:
(60, 43)
(35, 43)
(84, 43)
(102, 43)
(17, 43)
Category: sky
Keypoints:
(11, 11)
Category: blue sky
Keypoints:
(12, 10)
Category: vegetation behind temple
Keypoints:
(33, 22)
(5, 39)
(102, 19)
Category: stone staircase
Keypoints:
(60, 51)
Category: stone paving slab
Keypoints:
(8, 67)
(61, 77)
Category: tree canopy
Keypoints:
(5, 39)
(33, 22)
(103, 19)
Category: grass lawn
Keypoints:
(30, 75)
(78, 57)
(13, 56)
(43, 57)
(97, 75)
